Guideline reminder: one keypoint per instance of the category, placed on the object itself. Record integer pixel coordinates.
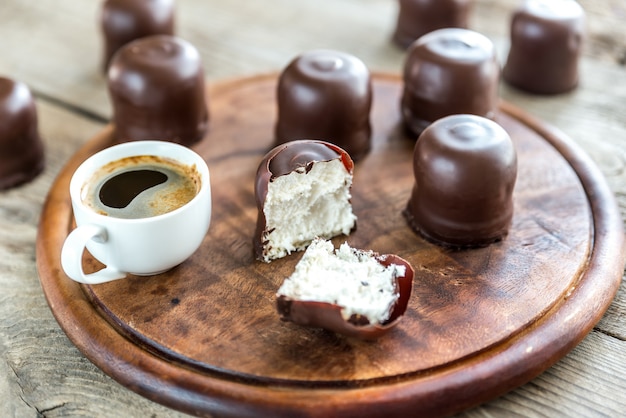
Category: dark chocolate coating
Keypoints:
(300, 155)
(326, 95)
(465, 170)
(328, 316)
(418, 17)
(446, 72)
(546, 44)
(21, 148)
(123, 21)
(282, 160)
(156, 86)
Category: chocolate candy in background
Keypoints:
(21, 148)
(123, 21)
(449, 71)
(157, 89)
(327, 95)
(546, 44)
(418, 17)
(465, 169)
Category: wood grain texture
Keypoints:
(54, 47)
(481, 321)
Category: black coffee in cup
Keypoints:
(140, 187)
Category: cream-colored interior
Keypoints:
(350, 278)
(301, 206)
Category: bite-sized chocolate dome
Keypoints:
(302, 191)
(21, 148)
(446, 72)
(326, 95)
(123, 21)
(156, 86)
(465, 170)
(546, 44)
(418, 17)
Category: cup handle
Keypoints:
(72, 254)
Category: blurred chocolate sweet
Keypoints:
(546, 44)
(326, 95)
(21, 148)
(123, 21)
(418, 17)
(157, 89)
(465, 169)
(446, 72)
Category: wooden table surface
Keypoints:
(54, 46)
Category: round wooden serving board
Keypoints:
(205, 337)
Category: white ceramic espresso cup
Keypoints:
(143, 246)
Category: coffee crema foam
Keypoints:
(140, 187)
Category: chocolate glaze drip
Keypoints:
(449, 71)
(546, 44)
(282, 160)
(21, 148)
(465, 170)
(326, 95)
(123, 21)
(156, 85)
(418, 17)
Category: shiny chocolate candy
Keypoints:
(21, 148)
(446, 72)
(326, 95)
(123, 21)
(419, 17)
(465, 170)
(157, 89)
(546, 44)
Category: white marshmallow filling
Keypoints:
(350, 278)
(302, 205)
